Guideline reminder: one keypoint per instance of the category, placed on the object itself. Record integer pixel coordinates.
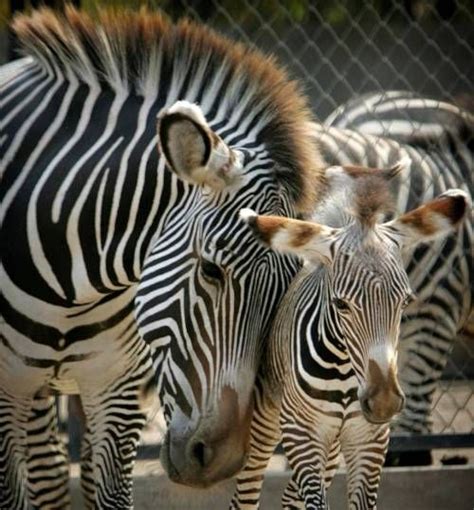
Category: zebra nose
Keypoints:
(380, 408)
(212, 449)
(206, 460)
(382, 398)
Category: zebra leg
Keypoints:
(364, 447)
(87, 471)
(332, 463)
(14, 413)
(423, 359)
(307, 446)
(115, 418)
(425, 348)
(109, 452)
(47, 465)
(292, 499)
(264, 437)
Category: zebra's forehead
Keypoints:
(365, 242)
(370, 255)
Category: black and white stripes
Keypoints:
(91, 214)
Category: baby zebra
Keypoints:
(329, 377)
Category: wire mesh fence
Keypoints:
(339, 50)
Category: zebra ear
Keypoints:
(435, 219)
(193, 151)
(306, 239)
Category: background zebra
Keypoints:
(439, 139)
(101, 240)
(329, 376)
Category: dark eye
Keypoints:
(340, 304)
(211, 270)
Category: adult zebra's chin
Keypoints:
(212, 449)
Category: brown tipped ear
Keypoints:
(435, 219)
(306, 239)
(193, 151)
(264, 228)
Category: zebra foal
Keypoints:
(329, 381)
(375, 130)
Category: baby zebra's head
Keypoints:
(359, 256)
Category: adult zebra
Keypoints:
(96, 231)
(439, 139)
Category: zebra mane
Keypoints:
(358, 197)
(372, 199)
(144, 52)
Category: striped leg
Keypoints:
(424, 354)
(264, 437)
(425, 348)
(115, 419)
(332, 463)
(364, 447)
(292, 499)
(308, 473)
(13, 417)
(47, 465)
(110, 459)
(87, 470)
(307, 448)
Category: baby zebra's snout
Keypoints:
(382, 398)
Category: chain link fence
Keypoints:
(341, 49)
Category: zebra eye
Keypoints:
(211, 270)
(340, 304)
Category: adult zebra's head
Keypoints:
(358, 257)
(209, 289)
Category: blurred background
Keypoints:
(337, 48)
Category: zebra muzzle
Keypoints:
(210, 450)
(382, 398)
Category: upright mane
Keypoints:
(372, 199)
(356, 195)
(144, 53)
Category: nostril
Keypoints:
(402, 402)
(366, 407)
(202, 453)
(198, 452)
